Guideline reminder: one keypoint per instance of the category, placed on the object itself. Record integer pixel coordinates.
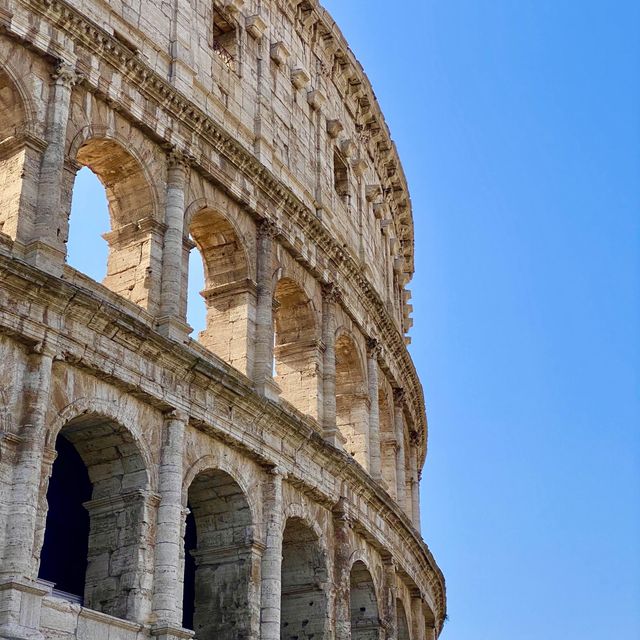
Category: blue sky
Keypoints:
(518, 124)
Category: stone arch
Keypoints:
(99, 495)
(135, 238)
(363, 603)
(388, 442)
(16, 116)
(352, 398)
(109, 410)
(296, 350)
(402, 621)
(303, 606)
(230, 292)
(222, 463)
(220, 563)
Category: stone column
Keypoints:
(342, 572)
(418, 617)
(171, 321)
(271, 570)
(22, 513)
(47, 247)
(167, 591)
(331, 433)
(263, 363)
(415, 482)
(20, 593)
(391, 613)
(373, 351)
(398, 416)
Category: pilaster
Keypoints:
(167, 591)
(47, 249)
(271, 569)
(171, 321)
(373, 351)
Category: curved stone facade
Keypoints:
(261, 479)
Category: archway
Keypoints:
(229, 293)
(135, 237)
(352, 400)
(218, 555)
(296, 354)
(97, 518)
(365, 619)
(388, 443)
(303, 610)
(13, 155)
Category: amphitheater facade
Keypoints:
(261, 479)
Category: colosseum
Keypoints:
(258, 480)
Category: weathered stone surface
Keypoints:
(262, 480)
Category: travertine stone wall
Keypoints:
(261, 479)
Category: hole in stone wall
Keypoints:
(87, 250)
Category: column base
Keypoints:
(45, 257)
(334, 437)
(20, 604)
(269, 389)
(170, 631)
(174, 329)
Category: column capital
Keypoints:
(276, 471)
(177, 159)
(179, 415)
(399, 396)
(331, 292)
(268, 229)
(374, 348)
(65, 75)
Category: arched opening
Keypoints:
(63, 560)
(87, 249)
(218, 559)
(352, 400)
(196, 307)
(365, 619)
(229, 293)
(388, 444)
(97, 518)
(14, 156)
(403, 624)
(303, 609)
(135, 239)
(296, 354)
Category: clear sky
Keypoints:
(518, 124)
(518, 127)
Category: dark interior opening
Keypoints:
(189, 593)
(66, 538)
